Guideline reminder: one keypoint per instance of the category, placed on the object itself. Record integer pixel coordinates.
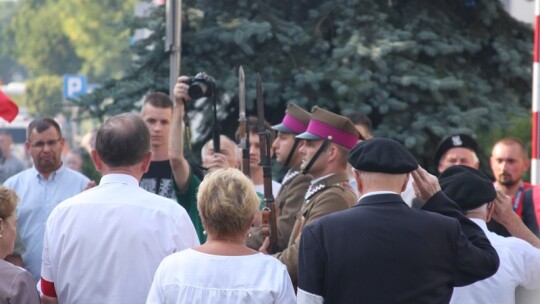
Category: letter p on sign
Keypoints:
(74, 85)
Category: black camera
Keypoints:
(200, 86)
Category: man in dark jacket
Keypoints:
(382, 251)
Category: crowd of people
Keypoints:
(357, 218)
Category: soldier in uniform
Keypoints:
(294, 184)
(457, 149)
(328, 140)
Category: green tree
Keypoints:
(44, 96)
(62, 36)
(420, 70)
(40, 45)
(93, 28)
(8, 65)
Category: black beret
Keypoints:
(454, 141)
(468, 187)
(382, 155)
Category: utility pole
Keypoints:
(173, 40)
(535, 155)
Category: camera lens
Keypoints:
(197, 90)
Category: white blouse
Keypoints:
(194, 277)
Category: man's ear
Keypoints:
(406, 182)
(359, 185)
(97, 161)
(333, 151)
(146, 161)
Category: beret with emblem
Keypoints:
(327, 125)
(382, 155)
(295, 120)
(468, 187)
(454, 141)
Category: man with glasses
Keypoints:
(41, 188)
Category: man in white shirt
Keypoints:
(104, 245)
(519, 260)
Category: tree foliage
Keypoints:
(40, 45)
(8, 66)
(44, 96)
(421, 70)
(55, 37)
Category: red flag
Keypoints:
(8, 109)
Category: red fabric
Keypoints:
(47, 288)
(519, 209)
(8, 109)
(536, 204)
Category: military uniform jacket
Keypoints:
(382, 251)
(289, 201)
(328, 195)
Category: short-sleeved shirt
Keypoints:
(191, 276)
(104, 245)
(158, 179)
(519, 266)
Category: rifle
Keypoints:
(268, 226)
(243, 127)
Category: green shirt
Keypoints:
(188, 200)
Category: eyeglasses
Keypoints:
(41, 144)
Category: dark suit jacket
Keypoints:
(382, 251)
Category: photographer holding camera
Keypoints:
(186, 183)
(157, 112)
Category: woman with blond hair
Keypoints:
(16, 284)
(224, 269)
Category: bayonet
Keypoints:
(242, 122)
(268, 226)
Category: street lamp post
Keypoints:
(173, 41)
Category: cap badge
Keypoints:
(456, 141)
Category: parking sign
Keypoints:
(74, 85)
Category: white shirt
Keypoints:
(104, 245)
(519, 265)
(191, 276)
(275, 188)
(408, 194)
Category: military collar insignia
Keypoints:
(313, 189)
(290, 175)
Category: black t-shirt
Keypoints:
(158, 179)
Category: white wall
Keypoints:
(522, 10)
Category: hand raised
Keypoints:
(425, 185)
